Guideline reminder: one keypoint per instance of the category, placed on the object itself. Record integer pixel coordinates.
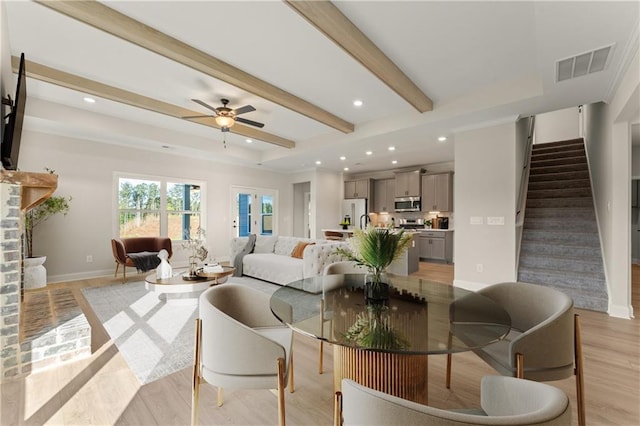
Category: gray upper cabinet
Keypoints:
(383, 195)
(357, 188)
(408, 184)
(437, 192)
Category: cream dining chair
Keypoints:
(544, 343)
(335, 268)
(240, 344)
(504, 401)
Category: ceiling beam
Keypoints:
(115, 23)
(336, 26)
(85, 85)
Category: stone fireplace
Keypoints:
(40, 328)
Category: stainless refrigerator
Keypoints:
(356, 209)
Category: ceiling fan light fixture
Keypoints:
(224, 121)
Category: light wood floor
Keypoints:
(101, 390)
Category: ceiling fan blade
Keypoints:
(249, 122)
(197, 116)
(244, 109)
(205, 105)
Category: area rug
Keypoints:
(154, 337)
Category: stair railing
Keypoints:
(524, 184)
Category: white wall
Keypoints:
(608, 142)
(299, 189)
(557, 125)
(86, 169)
(485, 173)
(327, 191)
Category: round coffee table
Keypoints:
(178, 289)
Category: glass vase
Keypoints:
(376, 288)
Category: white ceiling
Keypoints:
(480, 62)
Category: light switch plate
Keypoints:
(476, 220)
(495, 220)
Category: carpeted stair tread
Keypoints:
(561, 212)
(576, 225)
(547, 145)
(565, 264)
(581, 159)
(559, 176)
(558, 184)
(559, 168)
(558, 154)
(539, 248)
(585, 239)
(559, 193)
(560, 202)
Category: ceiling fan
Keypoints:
(226, 117)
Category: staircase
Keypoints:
(560, 245)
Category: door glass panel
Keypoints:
(244, 214)
(266, 210)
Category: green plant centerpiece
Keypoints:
(372, 330)
(375, 249)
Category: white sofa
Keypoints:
(271, 258)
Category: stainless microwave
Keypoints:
(407, 204)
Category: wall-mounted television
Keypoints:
(10, 147)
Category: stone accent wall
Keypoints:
(40, 328)
(10, 277)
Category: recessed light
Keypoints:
(394, 162)
(346, 169)
(89, 100)
(442, 138)
(318, 162)
(248, 140)
(392, 148)
(368, 152)
(166, 147)
(343, 158)
(357, 103)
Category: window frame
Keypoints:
(163, 209)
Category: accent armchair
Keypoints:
(504, 401)
(123, 248)
(240, 344)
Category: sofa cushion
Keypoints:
(273, 268)
(299, 249)
(285, 245)
(265, 244)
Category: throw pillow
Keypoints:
(299, 249)
(265, 244)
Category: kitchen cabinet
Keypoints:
(409, 262)
(436, 245)
(408, 184)
(357, 188)
(437, 192)
(383, 195)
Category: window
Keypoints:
(152, 207)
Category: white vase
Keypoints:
(35, 275)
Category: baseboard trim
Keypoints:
(80, 275)
(619, 311)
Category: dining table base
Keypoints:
(401, 375)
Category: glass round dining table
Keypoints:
(383, 341)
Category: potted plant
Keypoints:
(35, 275)
(375, 249)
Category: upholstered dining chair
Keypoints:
(504, 401)
(544, 343)
(240, 344)
(335, 268)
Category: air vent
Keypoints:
(583, 64)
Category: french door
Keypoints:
(253, 211)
